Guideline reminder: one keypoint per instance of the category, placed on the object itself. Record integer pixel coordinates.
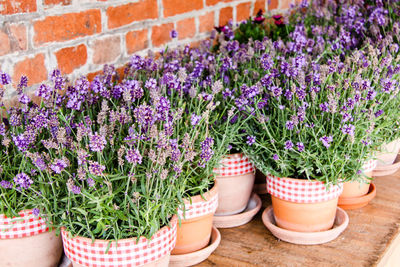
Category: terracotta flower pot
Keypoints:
(195, 230)
(388, 153)
(302, 205)
(26, 241)
(235, 183)
(360, 187)
(126, 252)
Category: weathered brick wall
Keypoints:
(79, 36)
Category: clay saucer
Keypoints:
(301, 238)
(260, 189)
(387, 169)
(197, 256)
(229, 221)
(352, 203)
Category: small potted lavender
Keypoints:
(26, 235)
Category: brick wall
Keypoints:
(79, 36)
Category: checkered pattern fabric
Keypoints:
(199, 209)
(370, 165)
(233, 165)
(124, 253)
(301, 191)
(24, 226)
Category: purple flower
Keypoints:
(251, 140)
(326, 140)
(44, 91)
(144, 115)
(289, 125)
(275, 157)
(95, 168)
(58, 166)
(371, 94)
(36, 212)
(206, 151)
(24, 99)
(23, 180)
(97, 142)
(378, 113)
(90, 182)
(6, 184)
(288, 145)
(348, 129)
(300, 146)
(133, 156)
(21, 141)
(5, 78)
(174, 34)
(194, 120)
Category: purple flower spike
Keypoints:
(275, 157)
(97, 142)
(36, 212)
(326, 140)
(194, 120)
(251, 140)
(23, 180)
(300, 146)
(6, 184)
(174, 34)
(133, 156)
(288, 145)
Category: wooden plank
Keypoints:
(364, 243)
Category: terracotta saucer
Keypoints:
(352, 203)
(229, 221)
(301, 238)
(260, 189)
(387, 169)
(197, 256)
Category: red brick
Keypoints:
(136, 41)
(106, 50)
(225, 15)
(17, 6)
(186, 28)
(161, 34)
(259, 4)
(214, 2)
(273, 4)
(33, 68)
(57, 2)
(67, 26)
(126, 14)
(175, 7)
(71, 58)
(243, 11)
(13, 38)
(5, 46)
(92, 75)
(206, 22)
(284, 4)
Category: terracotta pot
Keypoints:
(125, 252)
(355, 189)
(36, 246)
(352, 203)
(303, 205)
(194, 232)
(235, 183)
(388, 153)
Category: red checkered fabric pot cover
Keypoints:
(233, 165)
(198, 209)
(370, 165)
(301, 191)
(24, 226)
(124, 253)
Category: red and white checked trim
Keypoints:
(370, 165)
(301, 191)
(124, 253)
(234, 164)
(198, 209)
(24, 226)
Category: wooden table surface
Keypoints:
(370, 232)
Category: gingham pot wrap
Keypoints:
(370, 165)
(233, 165)
(301, 191)
(24, 226)
(198, 209)
(124, 253)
